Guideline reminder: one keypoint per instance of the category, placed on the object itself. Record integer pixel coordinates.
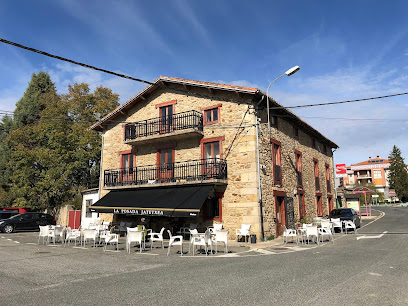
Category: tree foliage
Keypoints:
(398, 175)
(55, 155)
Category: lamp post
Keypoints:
(291, 71)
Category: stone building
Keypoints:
(184, 151)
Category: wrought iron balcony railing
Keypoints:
(187, 171)
(164, 125)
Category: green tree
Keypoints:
(56, 155)
(5, 127)
(30, 105)
(398, 175)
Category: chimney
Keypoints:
(369, 158)
(378, 156)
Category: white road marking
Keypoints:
(374, 274)
(371, 237)
(31, 243)
(16, 242)
(264, 251)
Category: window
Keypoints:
(212, 114)
(166, 163)
(276, 158)
(88, 213)
(313, 143)
(330, 203)
(212, 150)
(127, 165)
(302, 206)
(295, 132)
(319, 205)
(325, 150)
(211, 154)
(273, 120)
(316, 173)
(213, 207)
(298, 159)
(377, 174)
(166, 118)
(328, 178)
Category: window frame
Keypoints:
(295, 132)
(302, 209)
(273, 118)
(211, 108)
(319, 204)
(205, 141)
(316, 173)
(328, 178)
(276, 160)
(298, 164)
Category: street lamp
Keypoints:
(291, 71)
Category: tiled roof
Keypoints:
(371, 161)
(211, 84)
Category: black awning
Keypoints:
(183, 201)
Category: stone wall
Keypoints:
(240, 202)
(303, 143)
(241, 196)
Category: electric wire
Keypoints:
(185, 91)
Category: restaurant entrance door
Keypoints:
(280, 215)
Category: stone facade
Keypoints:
(240, 202)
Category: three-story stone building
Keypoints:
(203, 153)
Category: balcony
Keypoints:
(177, 126)
(364, 176)
(187, 172)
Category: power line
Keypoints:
(73, 62)
(181, 90)
(341, 102)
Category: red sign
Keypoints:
(341, 168)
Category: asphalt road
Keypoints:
(351, 271)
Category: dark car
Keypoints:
(7, 214)
(346, 214)
(26, 221)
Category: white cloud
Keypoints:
(358, 139)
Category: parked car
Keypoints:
(26, 221)
(7, 214)
(346, 214)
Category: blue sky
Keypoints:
(346, 50)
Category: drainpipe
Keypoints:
(334, 178)
(259, 168)
(100, 172)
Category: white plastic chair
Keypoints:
(311, 231)
(289, 233)
(336, 223)
(243, 231)
(186, 230)
(111, 239)
(56, 233)
(72, 234)
(221, 236)
(156, 237)
(215, 227)
(44, 230)
(348, 225)
(325, 230)
(134, 235)
(90, 234)
(200, 239)
(192, 233)
(175, 240)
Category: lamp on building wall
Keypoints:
(291, 71)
